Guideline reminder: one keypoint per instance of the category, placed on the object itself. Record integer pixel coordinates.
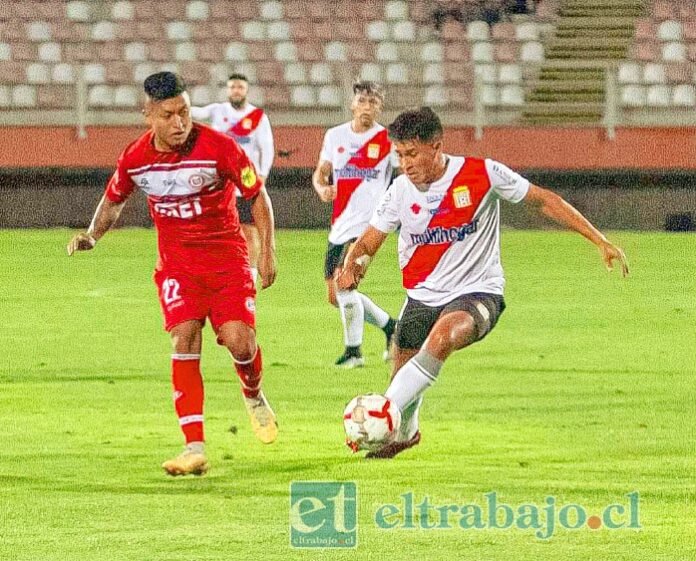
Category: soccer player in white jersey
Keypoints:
(250, 127)
(354, 170)
(447, 209)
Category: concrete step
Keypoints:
(626, 33)
(597, 42)
(553, 108)
(566, 97)
(571, 85)
(597, 23)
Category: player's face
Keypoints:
(170, 119)
(420, 161)
(365, 108)
(237, 91)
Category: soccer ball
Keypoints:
(371, 421)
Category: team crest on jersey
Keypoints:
(462, 197)
(246, 124)
(373, 151)
(248, 177)
(250, 304)
(196, 181)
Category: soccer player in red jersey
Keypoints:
(447, 212)
(190, 173)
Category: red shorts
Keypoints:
(222, 297)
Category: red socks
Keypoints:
(249, 373)
(188, 395)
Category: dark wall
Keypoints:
(636, 200)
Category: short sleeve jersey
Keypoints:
(449, 238)
(191, 197)
(362, 165)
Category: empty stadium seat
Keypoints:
(629, 73)
(371, 71)
(509, 74)
(397, 73)
(435, 96)
(237, 51)
(404, 31)
(433, 73)
(5, 51)
(50, 52)
(197, 10)
(532, 52)
(387, 52)
(669, 31)
(5, 96)
(295, 73)
(78, 11)
(489, 95)
(335, 51)
(278, 31)
(396, 10)
(100, 96)
(179, 31)
(658, 96)
(253, 31)
(511, 95)
(330, 96)
(286, 52)
(303, 96)
(432, 52)
(377, 31)
(684, 95)
(142, 71)
(23, 96)
(272, 10)
(63, 74)
(126, 96)
(485, 73)
(39, 31)
(477, 31)
(103, 31)
(38, 73)
(201, 95)
(320, 73)
(674, 52)
(482, 52)
(527, 31)
(94, 73)
(654, 73)
(135, 52)
(185, 51)
(122, 11)
(633, 96)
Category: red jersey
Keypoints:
(191, 195)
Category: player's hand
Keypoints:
(267, 268)
(81, 242)
(327, 194)
(611, 253)
(353, 271)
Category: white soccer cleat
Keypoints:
(262, 417)
(187, 463)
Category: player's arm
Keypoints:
(202, 113)
(553, 206)
(108, 210)
(358, 258)
(262, 212)
(266, 148)
(320, 180)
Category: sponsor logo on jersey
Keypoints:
(462, 197)
(373, 151)
(248, 177)
(434, 198)
(250, 304)
(444, 235)
(179, 210)
(246, 124)
(353, 172)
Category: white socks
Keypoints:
(196, 447)
(254, 274)
(352, 316)
(407, 387)
(373, 313)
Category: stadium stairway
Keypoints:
(590, 36)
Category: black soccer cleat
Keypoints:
(393, 448)
(389, 331)
(351, 358)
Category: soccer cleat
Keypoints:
(351, 358)
(389, 330)
(393, 448)
(187, 463)
(262, 417)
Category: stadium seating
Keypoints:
(660, 69)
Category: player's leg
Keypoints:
(464, 321)
(184, 304)
(350, 305)
(240, 340)
(374, 315)
(251, 233)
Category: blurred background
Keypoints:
(594, 98)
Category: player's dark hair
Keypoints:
(164, 85)
(369, 88)
(416, 124)
(238, 76)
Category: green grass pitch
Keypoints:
(584, 391)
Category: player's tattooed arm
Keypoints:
(562, 212)
(320, 180)
(262, 212)
(358, 258)
(105, 217)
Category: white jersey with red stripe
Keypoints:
(362, 165)
(190, 193)
(449, 239)
(257, 144)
